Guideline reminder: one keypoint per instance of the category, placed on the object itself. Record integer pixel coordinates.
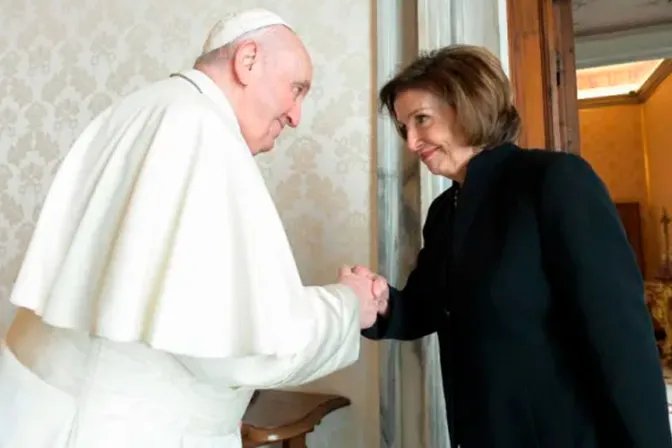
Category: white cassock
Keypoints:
(159, 289)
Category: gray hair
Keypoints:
(226, 52)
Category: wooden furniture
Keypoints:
(659, 302)
(632, 222)
(284, 416)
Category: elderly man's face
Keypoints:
(274, 96)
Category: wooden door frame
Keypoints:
(543, 73)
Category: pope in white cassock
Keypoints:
(159, 289)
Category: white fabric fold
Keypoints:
(159, 228)
(335, 346)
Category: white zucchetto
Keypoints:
(235, 25)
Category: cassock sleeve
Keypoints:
(335, 345)
(159, 228)
(593, 268)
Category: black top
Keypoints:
(539, 305)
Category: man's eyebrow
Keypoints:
(303, 85)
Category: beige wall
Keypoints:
(630, 148)
(62, 61)
(612, 141)
(658, 131)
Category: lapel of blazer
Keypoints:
(479, 189)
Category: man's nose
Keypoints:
(294, 115)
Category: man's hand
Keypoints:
(380, 288)
(363, 286)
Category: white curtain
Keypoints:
(413, 411)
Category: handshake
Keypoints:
(371, 289)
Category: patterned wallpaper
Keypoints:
(62, 61)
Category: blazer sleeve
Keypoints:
(594, 268)
(414, 311)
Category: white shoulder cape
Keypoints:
(159, 228)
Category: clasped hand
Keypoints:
(371, 289)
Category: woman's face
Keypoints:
(432, 133)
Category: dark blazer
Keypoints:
(535, 293)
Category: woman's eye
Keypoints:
(421, 119)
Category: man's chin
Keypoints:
(262, 149)
(266, 149)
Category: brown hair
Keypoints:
(471, 80)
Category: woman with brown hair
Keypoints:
(526, 274)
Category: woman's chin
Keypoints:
(432, 167)
(435, 169)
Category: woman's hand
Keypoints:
(380, 288)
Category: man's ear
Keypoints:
(245, 58)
